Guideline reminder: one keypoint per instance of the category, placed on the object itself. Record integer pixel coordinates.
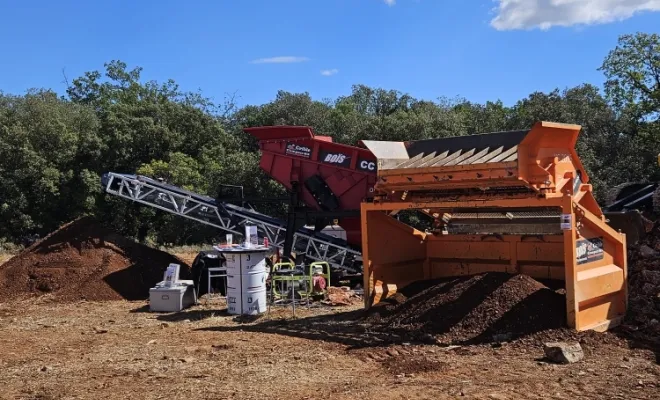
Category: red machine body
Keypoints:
(295, 154)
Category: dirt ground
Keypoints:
(120, 350)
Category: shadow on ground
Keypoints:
(191, 315)
(422, 318)
(141, 309)
(451, 311)
(346, 328)
(640, 340)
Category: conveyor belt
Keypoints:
(230, 218)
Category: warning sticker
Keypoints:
(589, 250)
(566, 221)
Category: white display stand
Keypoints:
(246, 279)
(171, 276)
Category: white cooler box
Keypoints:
(172, 299)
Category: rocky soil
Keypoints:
(84, 260)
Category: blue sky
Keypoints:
(478, 49)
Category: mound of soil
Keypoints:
(473, 309)
(85, 261)
(643, 317)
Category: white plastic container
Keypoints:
(254, 301)
(246, 279)
(253, 280)
(173, 298)
(233, 303)
(245, 262)
(233, 262)
(233, 281)
(256, 266)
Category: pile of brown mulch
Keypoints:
(85, 261)
(473, 309)
(493, 306)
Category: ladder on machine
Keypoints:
(230, 218)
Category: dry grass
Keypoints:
(4, 257)
(185, 253)
(188, 256)
(119, 350)
(184, 249)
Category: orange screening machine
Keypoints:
(516, 202)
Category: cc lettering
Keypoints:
(369, 165)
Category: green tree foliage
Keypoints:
(53, 149)
(45, 144)
(632, 70)
(180, 170)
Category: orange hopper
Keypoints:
(515, 202)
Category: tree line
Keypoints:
(54, 148)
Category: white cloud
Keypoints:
(544, 14)
(280, 60)
(390, 2)
(329, 72)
